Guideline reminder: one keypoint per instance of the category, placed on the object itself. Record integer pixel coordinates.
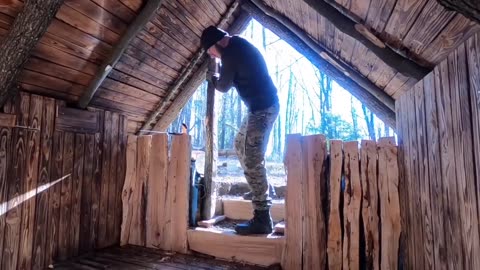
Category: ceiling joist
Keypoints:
(349, 27)
(373, 97)
(468, 8)
(136, 26)
(187, 71)
(27, 29)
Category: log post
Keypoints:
(27, 28)
(211, 151)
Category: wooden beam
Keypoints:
(211, 149)
(136, 26)
(403, 65)
(187, 71)
(27, 28)
(468, 8)
(197, 78)
(373, 97)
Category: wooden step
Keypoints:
(264, 250)
(243, 210)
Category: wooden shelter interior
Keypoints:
(137, 62)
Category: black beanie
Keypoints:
(211, 35)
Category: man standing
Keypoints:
(243, 66)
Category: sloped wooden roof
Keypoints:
(422, 29)
(84, 33)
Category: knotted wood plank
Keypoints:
(368, 174)
(315, 231)
(352, 198)
(389, 202)
(129, 189)
(157, 192)
(292, 255)
(334, 243)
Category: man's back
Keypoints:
(250, 74)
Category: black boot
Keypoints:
(261, 223)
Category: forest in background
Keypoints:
(310, 102)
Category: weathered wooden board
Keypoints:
(259, 250)
(75, 120)
(42, 213)
(97, 182)
(30, 184)
(180, 159)
(389, 202)
(138, 226)
(5, 160)
(292, 257)
(7, 120)
(64, 240)
(103, 200)
(334, 243)
(370, 207)
(77, 183)
(314, 186)
(129, 190)
(122, 168)
(352, 199)
(86, 197)
(112, 181)
(157, 191)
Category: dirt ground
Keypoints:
(229, 169)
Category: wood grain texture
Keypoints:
(292, 255)
(138, 226)
(86, 197)
(122, 168)
(7, 120)
(102, 238)
(5, 161)
(77, 184)
(129, 190)
(113, 179)
(75, 120)
(65, 248)
(314, 185)
(370, 206)
(352, 208)
(389, 202)
(180, 161)
(97, 181)
(157, 191)
(334, 243)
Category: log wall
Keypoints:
(342, 204)
(59, 184)
(439, 130)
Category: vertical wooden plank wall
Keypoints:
(50, 185)
(156, 192)
(438, 125)
(360, 231)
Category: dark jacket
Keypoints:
(244, 67)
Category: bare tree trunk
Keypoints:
(15, 48)
(369, 121)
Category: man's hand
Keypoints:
(212, 77)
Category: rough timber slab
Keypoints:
(260, 250)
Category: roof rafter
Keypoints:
(375, 98)
(349, 27)
(469, 8)
(107, 66)
(186, 72)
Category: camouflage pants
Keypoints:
(251, 144)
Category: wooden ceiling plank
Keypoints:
(209, 9)
(163, 65)
(49, 82)
(57, 71)
(98, 14)
(157, 38)
(347, 26)
(146, 14)
(162, 56)
(220, 5)
(455, 33)
(134, 5)
(360, 8)
(118, 9)
(197, 12)
(140, 75)
(377, 100)
(173, 91)
(68, 97)
(142, 66)
(182, 15)
(469, 8)
(119, 107)
(379, 13)
(169, 28)
(134, 82)
(59, 57)
(71, 48)
(178, 24)
(432, 20)
(129, 90)
(16, 47)
(117, 97)
(87, 25)
(396, 83)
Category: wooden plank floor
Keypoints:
(136, 258)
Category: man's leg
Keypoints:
(259, 126)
